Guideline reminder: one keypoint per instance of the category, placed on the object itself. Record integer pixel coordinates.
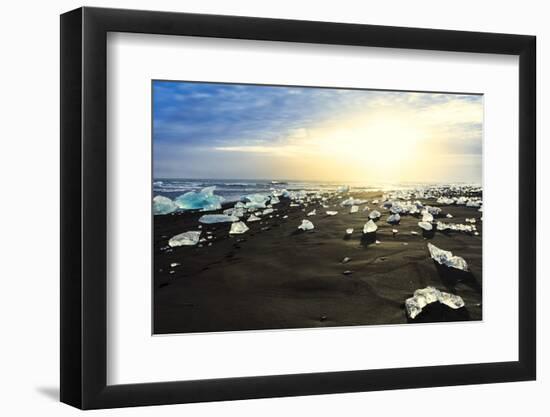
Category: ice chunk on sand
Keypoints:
(394, 231)
(312, 213)
(332, 213)
(349, 231)
(375, 214)
(449, 216)
(393, 219)
(414, 233)
(434, 211)
(253, 218)
(425, 226)
(306, 225)
(422, 297)
(237, 212)
(217, 218)
(238, 228)
(205, 200)
(256, 201)
(352, 202)
(445, 201)
(343, 189)
(267, 211)
(370, 227)
(442, 227)
(427, 217)
(444, 257)
(354, 209)
(185, 239)
(163, 205)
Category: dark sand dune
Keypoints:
(275, 276)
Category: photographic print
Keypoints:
(289, 207)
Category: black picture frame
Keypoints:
(84, 207)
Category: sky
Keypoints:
(237, 131)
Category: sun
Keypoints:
(374, 142)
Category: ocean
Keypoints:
(233, 190)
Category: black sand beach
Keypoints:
(276, 277)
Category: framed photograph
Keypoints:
(259, 208)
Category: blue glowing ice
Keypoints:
(163, 205)
(205, 200)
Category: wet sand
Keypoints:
(276, 277)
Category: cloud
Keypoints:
(274, 123)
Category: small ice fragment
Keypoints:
(354, 209)
(472, 220)
(425, 226)
(349, 231)
(414, 233)
(312, 212)
(444, 257)
(375, 214)
(455, 227)
(435, 211)
(377, 242)
(306, 225)
(394, 218)
(267, 211)
(476, 233)
(422, 297)
(347, 272)
(217, 218)
(285, 216)
(427, 217)
(332, 213)
(370, 227)
(253, 218)
(394, 231)
(238, 228)
(163, 205)
(174, 264)
(346, 260)
(185, 239)
(449, 216)
(237, 212)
